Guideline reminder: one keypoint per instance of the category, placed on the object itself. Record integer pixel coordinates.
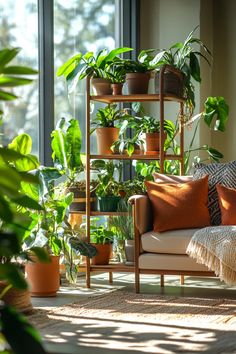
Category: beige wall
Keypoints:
(224, 71)
(165, 21)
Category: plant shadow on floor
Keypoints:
(117, 331)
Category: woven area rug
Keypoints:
(124, 322)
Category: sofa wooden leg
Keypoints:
(162, 280)
(182, 279)
(137, 282)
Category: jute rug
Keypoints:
(124, 322)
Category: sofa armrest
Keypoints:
(142, 213)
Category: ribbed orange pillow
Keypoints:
(179, 206)
(227, 202)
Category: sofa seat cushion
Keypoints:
(170, 262)
(173, 241)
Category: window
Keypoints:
(19, 28)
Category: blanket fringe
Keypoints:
(204, 256)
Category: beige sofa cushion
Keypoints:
(170, 262)
(174, 241)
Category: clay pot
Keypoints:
(101, 86)
(43, 278)
(117, 89)
(105, 138)
(173, 84)
(104, 254)
(137, 83)
(129, 252)
(152, 142)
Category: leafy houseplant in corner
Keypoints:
(89, 64)
(102, 239)
(183, 57)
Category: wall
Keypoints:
(224, 71)
(165, 21)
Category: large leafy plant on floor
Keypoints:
(15, 223)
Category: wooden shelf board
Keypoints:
(136, 157)
(135, 98)
(97, 213)
(119, 267)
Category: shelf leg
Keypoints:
(182, 279)
(110, 277)
(162, 280)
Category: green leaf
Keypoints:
(9, 244)
(27, 202)
(69, 65)
(19, 70)
(6, 55)
(23, 340)
(5, 211)
(74, 142)
(216, 107)
(22, 144)
(13, 275)
(7, 96)
(41, 254)
(194, 67)
(7, 81)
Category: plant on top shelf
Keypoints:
(89, 64)
(104, 124)
(184, 57)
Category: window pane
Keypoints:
(19, 28)
(79, 26)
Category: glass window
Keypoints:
(79, 26)
(19, 28)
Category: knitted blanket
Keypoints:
(216, 248)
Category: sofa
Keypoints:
(163, 251)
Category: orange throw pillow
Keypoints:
(179, 206)
(227, 202)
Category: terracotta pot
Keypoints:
(104, 254)
(137, 83)
(20, 299)
(152, 142)
(43, 278)
(79, 201)
(101, 86)
(173, 84)
(117, 89)
(105, 138)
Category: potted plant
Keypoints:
(183, 57)
(52, 232)
(149, 128)
(117, 75)
(102, 239)
(79, 191)
(89, 64)
(137, 75)
(104, 124)
(107, 189)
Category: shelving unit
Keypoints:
(162, 156)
